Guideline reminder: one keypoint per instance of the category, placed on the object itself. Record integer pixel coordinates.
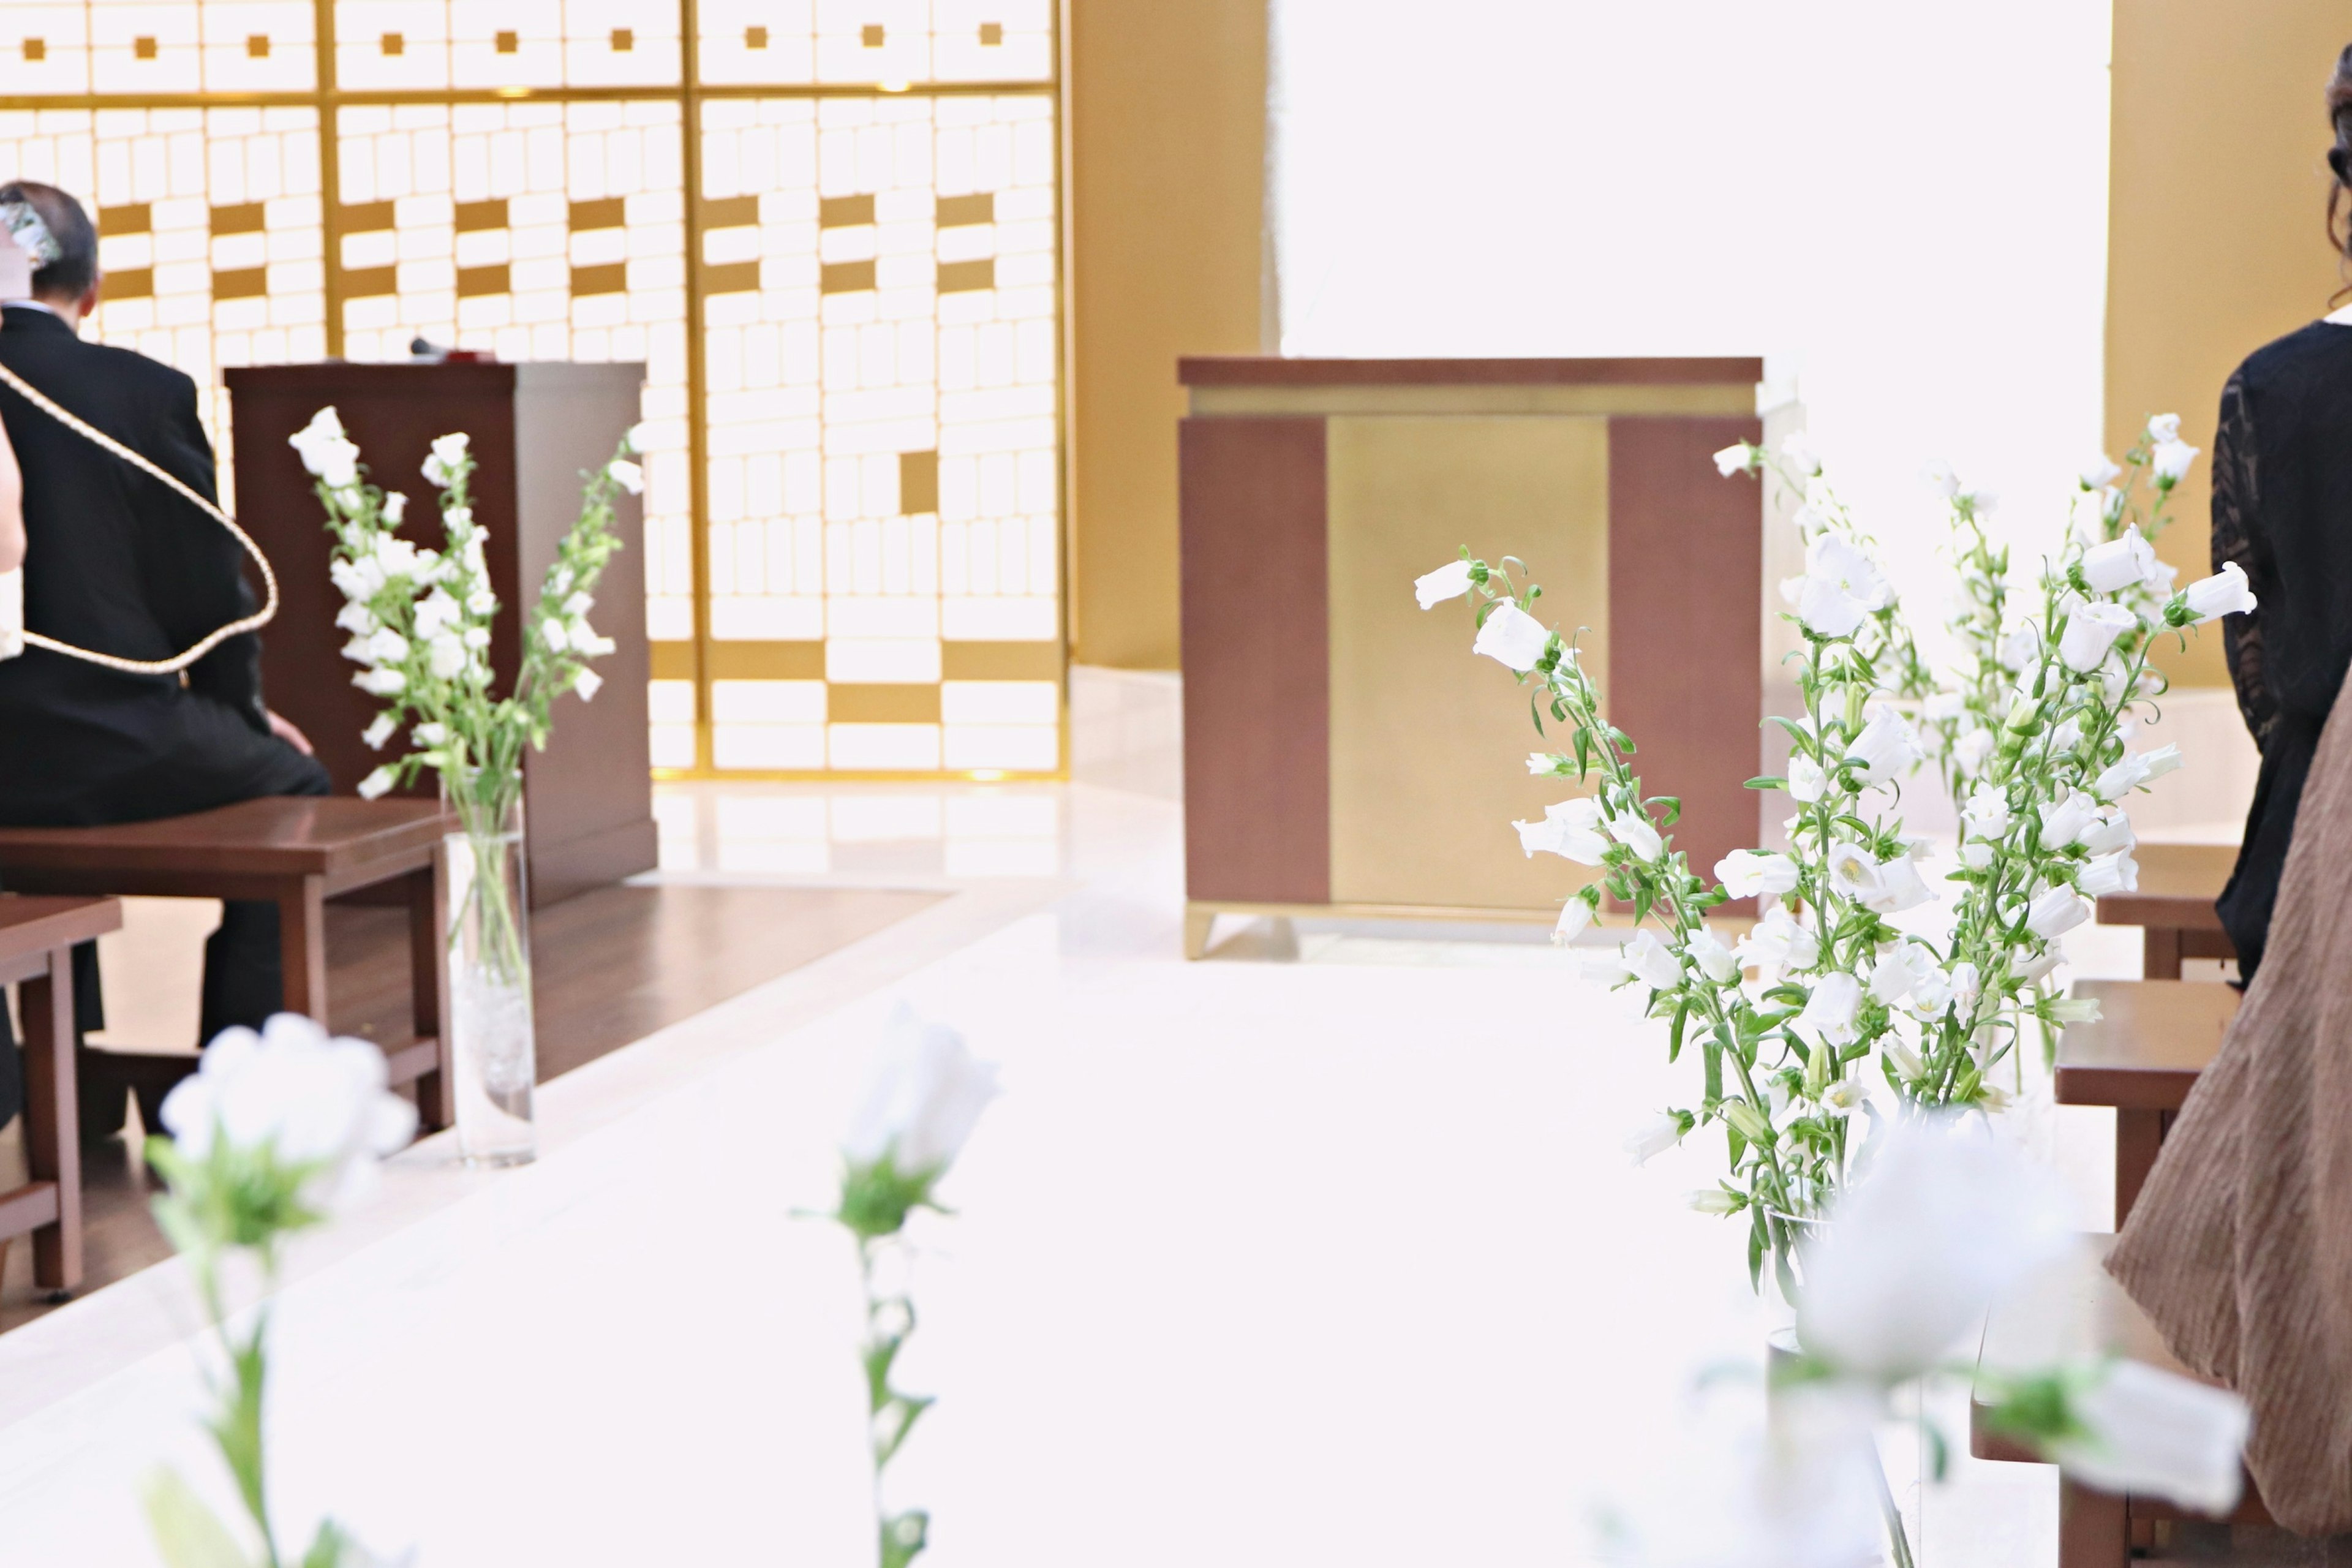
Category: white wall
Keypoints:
(1910, 204)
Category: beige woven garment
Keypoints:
(2239, 1247)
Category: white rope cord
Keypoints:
(180, 661)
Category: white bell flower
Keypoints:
(2055, 913)
(2066, 737)
(1939, 478)
(1842, 586)
(577, 606)
(2223, 593)
(357, 619)
(627, 475)
(2133, 770)
(1944, 706)
(1977, 855)
(2111, 832)
(1745, 873)
(1948, 1218)
(1450, 581)
(2152, 1433)
(1512, 637)
(478, 638)
(2116, 873)
(1778, 943)
(924, 1094)
(1888, 748)
(1971, 749)
(1714, 959)
(2090, 631)
(1797, 451)
(445, 655)
(395, 507)
(437, 613)
(1636, 833)
(1807, 782)
(2112, 567)
(448, 453)
(1900, 887)
(1652, 1139)
(2066, 819)
(378, 732)
(431, 734)
(378, 784)
(381, 682)
(2163, 427)
(587, 683)
(1985, 814)
(325, 428)
(308, 1099)
(1607, 970)
(1829, 1015)
(1571, 828)
(1575, 916)
(2099, 476)
(2172, 461)
(1844, 1097)
(1713, 1200)
(1853, 871)
(358, 581)
(1736, 458)
(552, 633)
(1647, 959)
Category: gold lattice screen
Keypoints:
(831, 236)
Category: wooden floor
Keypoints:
(609, 967)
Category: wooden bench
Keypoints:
(296, 852)
(2141, 1057)
(2174, 905)
(2095, 1529)
(36, 941)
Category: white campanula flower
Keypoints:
(2163, 427)
(1853, 871)
(1807, 782)
(1652, 1139)
(1512, 637)
(357, 619)
(1844, 1097)
(2172, 461)
(326, 425)
(1543, 764)
(552, 634)
(587, 683)
(358, 581)
(445, 655)
(2223, 593)
(436, 612)
(1900, 887)
(481, 602)
(1967, 985)
(1571, 828)
(1977, 857)
(1888, 748)
(449, 454)
(1745, 873)
(1939, 478)
(308, 1099)
(1647, 959)
(2133, 770)
(1842, 586)
(378, 784)
(626, 475)
(2066, 737)
(2055, 913)
(1714, 959)
(1829, 1015)
(1946, 1220)
(378, 732)
(1931, 988)
(2030, 971)
(381, 682)
(2152, 1433)
(431, 734)
(577, 606)
(1715, 1201)
(1777, 943)
(2066, 819)
(1607, 969)
(1575, 916)
(476, 563)
(1797, 451)
(326, 451)
(2090, 631)
(1985, 814)
(1450, 581)
(1971, 749)
(2115, 873)
(1891, 978)
(397, 558)
(395, 507)
(477, 639)
(1635, 831)
(2099, 476)
(2112, 567)
(2111, 831)
(1944, 706)
(924, 1093)
(1739, 458)
(1981, 501)
(2019, 647)
(458, 520)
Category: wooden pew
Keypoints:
(2174, 905)
(2141, 1057)
(2095, 1529)
(297, 852)
(36, 941)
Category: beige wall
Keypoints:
(1167, 128)
(2214, 242)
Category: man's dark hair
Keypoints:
(68, 278)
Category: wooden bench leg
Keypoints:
(428, 899)
(2139, 1135)
(2094, 1529)
(2159, 954)
(53, 1119)
(302, 947)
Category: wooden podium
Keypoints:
(535, 428)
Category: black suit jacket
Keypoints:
(117, 562)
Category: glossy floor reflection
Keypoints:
(1262, 1262)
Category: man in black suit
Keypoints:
(117, 563)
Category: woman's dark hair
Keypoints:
(70, 275)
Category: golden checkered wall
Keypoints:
(842, 282)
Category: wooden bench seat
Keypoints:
(37, 937)
(2141, 1057)
(2096, 1530)
(2174, 905)
(296, 852)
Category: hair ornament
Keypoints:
(24, 226)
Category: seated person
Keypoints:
(117, 563)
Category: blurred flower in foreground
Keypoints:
(273, 1133)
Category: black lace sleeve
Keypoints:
(2237, 536)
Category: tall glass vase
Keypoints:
(487, 962)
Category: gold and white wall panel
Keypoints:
(844, 284)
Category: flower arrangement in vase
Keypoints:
(1827, 995)
(420, 621)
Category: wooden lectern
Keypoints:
(536, 429)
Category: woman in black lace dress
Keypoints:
(2282, 511)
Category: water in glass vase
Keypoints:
(488, 962)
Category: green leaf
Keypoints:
(187, 1533)
(1756, 1249)
(1674, 1034)
(1766, 781)
(1672, 802)
(1714, 1067)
